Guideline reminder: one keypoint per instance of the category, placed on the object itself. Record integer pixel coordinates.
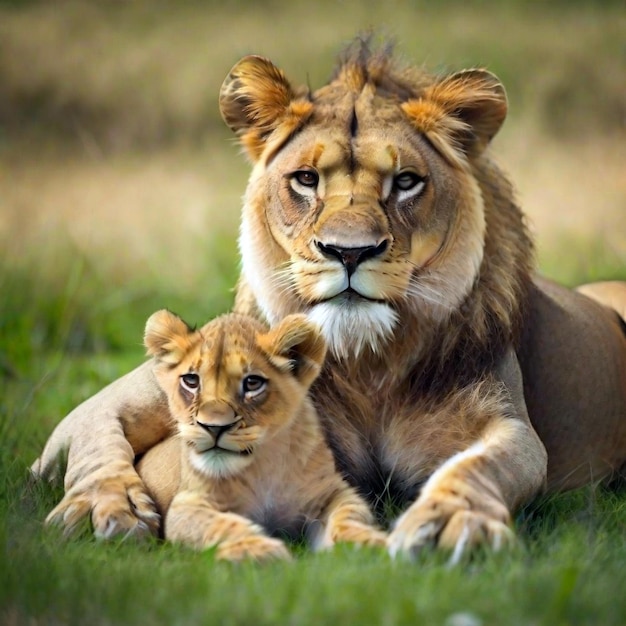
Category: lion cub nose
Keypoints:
(217, 418)
(217, 430)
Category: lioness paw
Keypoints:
(449, 524)
(119, 507)
(468, 529)
(253, 547)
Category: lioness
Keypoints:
(458, 384)
(253, 458)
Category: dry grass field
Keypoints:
(112, 146)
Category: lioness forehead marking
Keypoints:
(393, 153)
(354, 123)
(369, 154)
(329, 155)
(312, 155)
(382, 160)
(318, 150)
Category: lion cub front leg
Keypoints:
(347, 518)
(193, 521)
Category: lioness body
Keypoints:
(573, 360)
(402, 439)
(251, 452)
(373, 207)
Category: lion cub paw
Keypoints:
(253, 547)
(355, 533)
(450, 525)
(119, 507)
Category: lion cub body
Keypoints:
(253, 460)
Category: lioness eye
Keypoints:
(406, 181)
(253, 384)
(307, 178)
(190, 381)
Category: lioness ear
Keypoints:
(461, 113)
(166, 336)
(256, 98)
(295, 344)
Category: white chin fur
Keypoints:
(349, 327)
(219, 465)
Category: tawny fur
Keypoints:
(270, 472)
(611, 293)
(458, 384)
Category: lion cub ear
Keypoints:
(295, 344)
(167, 337)
(256, 98)
(461, 113)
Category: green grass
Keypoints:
(567, 570)
(573, 260)
(119, 197)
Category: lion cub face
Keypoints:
(232, 385)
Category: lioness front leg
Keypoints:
(470, 498)
(192, 521)
(348, 519)
(114, 497)
(101, 438)
(468, 501)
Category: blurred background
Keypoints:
(120, 186)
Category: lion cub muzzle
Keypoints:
(217, 430)
(218, 418)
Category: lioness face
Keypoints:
(231, 386)
(362, 223)
(360, 210)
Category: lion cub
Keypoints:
(253, 459)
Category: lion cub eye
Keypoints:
(408, 181)
(190, 381)
(252, 385)
(306, 178)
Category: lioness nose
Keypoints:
(217, 430)
(352, 257)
